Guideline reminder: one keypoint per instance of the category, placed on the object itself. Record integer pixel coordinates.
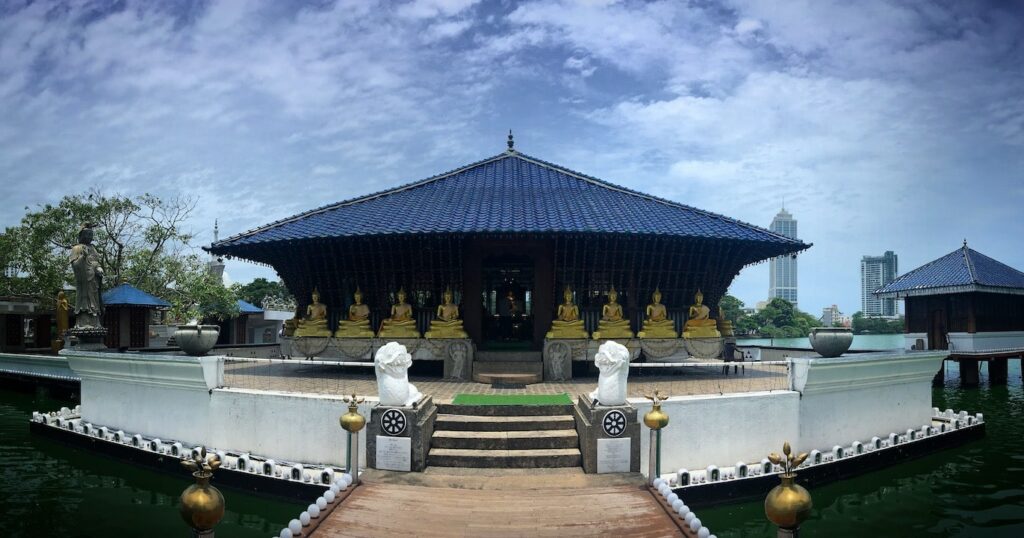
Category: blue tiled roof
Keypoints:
(248, 308)
(964, 269)
(510, 192)
(128, 295)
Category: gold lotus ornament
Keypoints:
(788, 504)
(352, 421)
(202, 505)
(655, 419)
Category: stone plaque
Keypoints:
(395, 453)
(612, 455)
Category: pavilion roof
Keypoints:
(128, 295)
(508, 193)
(960, 271)
(245, 307)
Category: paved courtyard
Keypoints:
(314, 378)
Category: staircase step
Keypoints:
(507, 356)
(480, 423)
(515, 459)
(514, 440)
(509, 367)
(504, 410)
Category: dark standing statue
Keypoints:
(85, 262)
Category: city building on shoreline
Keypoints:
(875, 272)
(782, 277)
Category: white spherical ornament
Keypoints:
(658, 482)
(695, 524)
(285, 533)
(348, 478)
(689, 517)
(321, 503)
(335, 487)
(683, 511)
(329, 496)
(677, 504)
(295, 526)
(664, 490)
(314, 511)
(671, 498)
(304, 518)
(703, 533)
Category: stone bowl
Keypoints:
(196, 340)
(830, 341)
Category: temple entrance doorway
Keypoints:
(507, 303)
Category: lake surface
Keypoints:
(860, 342)
(48, 489)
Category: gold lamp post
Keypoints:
(788, 504)
(353, 423)
(202, 505)
(655, 419)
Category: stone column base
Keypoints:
(398, 437)
(609, 437)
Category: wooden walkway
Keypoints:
(392, 509)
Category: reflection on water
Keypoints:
(975, 490)
(48, 489)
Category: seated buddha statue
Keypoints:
(656, 322)
(315, 321)
(357, 324)
(700, 324)
(612, 324)
(447, 324)
(400, 324)
(567, 322)
(724, 325)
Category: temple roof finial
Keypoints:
(511, 142)
(965, 242)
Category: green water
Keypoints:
(48, 489)
(976, 490)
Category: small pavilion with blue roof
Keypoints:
(513, 229)
(127, 315)
(964, 301)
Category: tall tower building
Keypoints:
(875, 272)
(782, 271)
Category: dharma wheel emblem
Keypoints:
(614, 423)
(393, 422)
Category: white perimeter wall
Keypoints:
(987, 341)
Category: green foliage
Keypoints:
(260, 289)
(876, 325)
(778, 319)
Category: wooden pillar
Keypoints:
(543, 291)
(972, 325)
(940, 376)
(997, 371)
(968, 372)
(472, 288)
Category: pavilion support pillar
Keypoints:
(968, 372)
(940, 376)
(997, 371)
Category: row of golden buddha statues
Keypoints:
(567, 323)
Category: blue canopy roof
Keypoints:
(248, 308)
(960, 271)
(510, 192)
(128, 295)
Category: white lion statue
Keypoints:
(392, 363)
(612, 360)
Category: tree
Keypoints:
(780, 319)
(732, 309)
(259, 289)
(140, 241)
(876, 324)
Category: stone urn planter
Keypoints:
(196, 340)
(830, 341)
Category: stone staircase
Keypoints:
(504, 436)
(509, 367)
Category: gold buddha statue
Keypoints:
(401, 323)
(447, 324)
(567, 322)
(700, 324)
(612, 323)
(657, 323)
(724, 325)
(315, 321)
(357, 324)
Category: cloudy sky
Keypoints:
(885, 126)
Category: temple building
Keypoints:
(963, 301)
(514, 238)
(128, 314)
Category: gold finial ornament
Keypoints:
(788, 504)
(202, 505)
(352, 421)
(655, 419)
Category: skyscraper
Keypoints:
(875, 272)
(782, 271)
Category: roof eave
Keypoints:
(947, 290)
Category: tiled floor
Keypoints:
(305, 377)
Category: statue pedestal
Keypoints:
(398, 437)
(705, 348)
(609, 437)
(664, 349)
(88, 338)
(308, 347)
(457, 354)
(558, 355)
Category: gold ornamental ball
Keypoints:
(202, 505)
(788, 504)
(352, 421)
(656, 419)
